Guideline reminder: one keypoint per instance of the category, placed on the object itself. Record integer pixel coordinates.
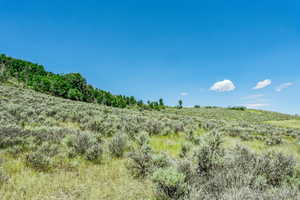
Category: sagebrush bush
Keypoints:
(193, 138)
(48, 149)
(142, 139)
(50, 134)
(186, 167)
(15, 150)
(169, 184)
(81, 142)
(12, 135)
(161, 160)
(153, 127)
(140, 162)
(38, 161)
(245, 136)
(210, 154)
(245, 175)
(276, 168)
(185, 149)
(94, 153)
(88, 145)
(190, 135)
(273, 140)
(104, 127)
(3, 177)
(118, 144)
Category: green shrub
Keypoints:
(48, 149)
(81, 142)
(118, 145)
(3, 74)
(185, 149)
(75, 94)
(153, 127)
(38, 161)
(72, 153)
(11, 136)
(273, 140)
(86, 144)
(245, 136)
(103, 127)
(3, 177)
(245, 175)
(169, 184)
(41, 158)
(142, 139)
(276, 168)
(190, 135)
(161, 160)
(50, 134)
(178, 127)
(94, 152)
(15, 150)
(210, 154)
(140, 162)
(186, 167)
(241, 108)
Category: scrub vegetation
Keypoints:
(63, 148)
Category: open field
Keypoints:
(53, 148)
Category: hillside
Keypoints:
(149, 100)
(55, 148)
(70, 86)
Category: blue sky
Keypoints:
(169, 49)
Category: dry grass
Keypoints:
(109, 180)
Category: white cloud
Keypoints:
(262, 84)
(256, 105)
(283, 86)
(223, 86)
(184, 94)
(254, 96)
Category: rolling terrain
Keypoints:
(55, 148)
(61, 138)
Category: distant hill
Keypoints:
(71, 86)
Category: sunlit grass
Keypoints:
(290, 147)
(254, 111)
(109, 180)
(170, 144)
(200, 132)
(286, 123)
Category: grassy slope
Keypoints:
(286, 123)
(109, 180)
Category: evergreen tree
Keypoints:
(161, 103)
(180, 102)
